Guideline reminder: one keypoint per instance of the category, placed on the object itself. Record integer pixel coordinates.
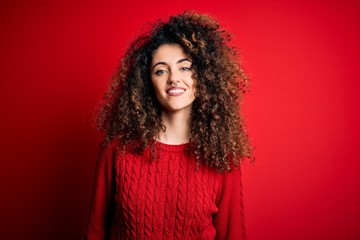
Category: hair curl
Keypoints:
(131, 112)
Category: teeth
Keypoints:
(176, 91)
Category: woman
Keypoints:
(169, 168)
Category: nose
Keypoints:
(174, 78)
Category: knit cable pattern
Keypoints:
(169, 198)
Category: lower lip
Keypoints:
(175, 94)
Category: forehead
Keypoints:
(168, 53)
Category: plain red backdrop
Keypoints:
(302, 111)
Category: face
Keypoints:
(172, 78)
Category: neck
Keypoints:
(177, 125)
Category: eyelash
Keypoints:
(185, 68)
(161, 71)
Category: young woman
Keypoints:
(169, 168)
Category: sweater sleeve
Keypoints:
(99, 218)
(229, 220)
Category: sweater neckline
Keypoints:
(171, 147)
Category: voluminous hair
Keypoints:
(131, 112)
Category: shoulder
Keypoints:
(110, 147)
(231, 178)
(229, 182)
(109, 151)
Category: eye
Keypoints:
(160, 72)
(185, 69)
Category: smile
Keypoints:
(175, 91)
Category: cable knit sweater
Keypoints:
(168, 198)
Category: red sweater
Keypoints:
(168, 198)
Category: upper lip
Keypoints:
(175, 88)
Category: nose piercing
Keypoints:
(174, 84)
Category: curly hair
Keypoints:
(131, 112)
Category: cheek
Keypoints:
(190, 82)
(158, 90)
(193, 85)
(155, 84)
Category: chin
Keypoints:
(178, 108)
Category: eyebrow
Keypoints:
(164, 63)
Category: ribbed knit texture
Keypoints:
(169, 198)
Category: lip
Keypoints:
(175, 91)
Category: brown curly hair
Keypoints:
(131, 112)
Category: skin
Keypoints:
(174, 85)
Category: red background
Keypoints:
(302, 111)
